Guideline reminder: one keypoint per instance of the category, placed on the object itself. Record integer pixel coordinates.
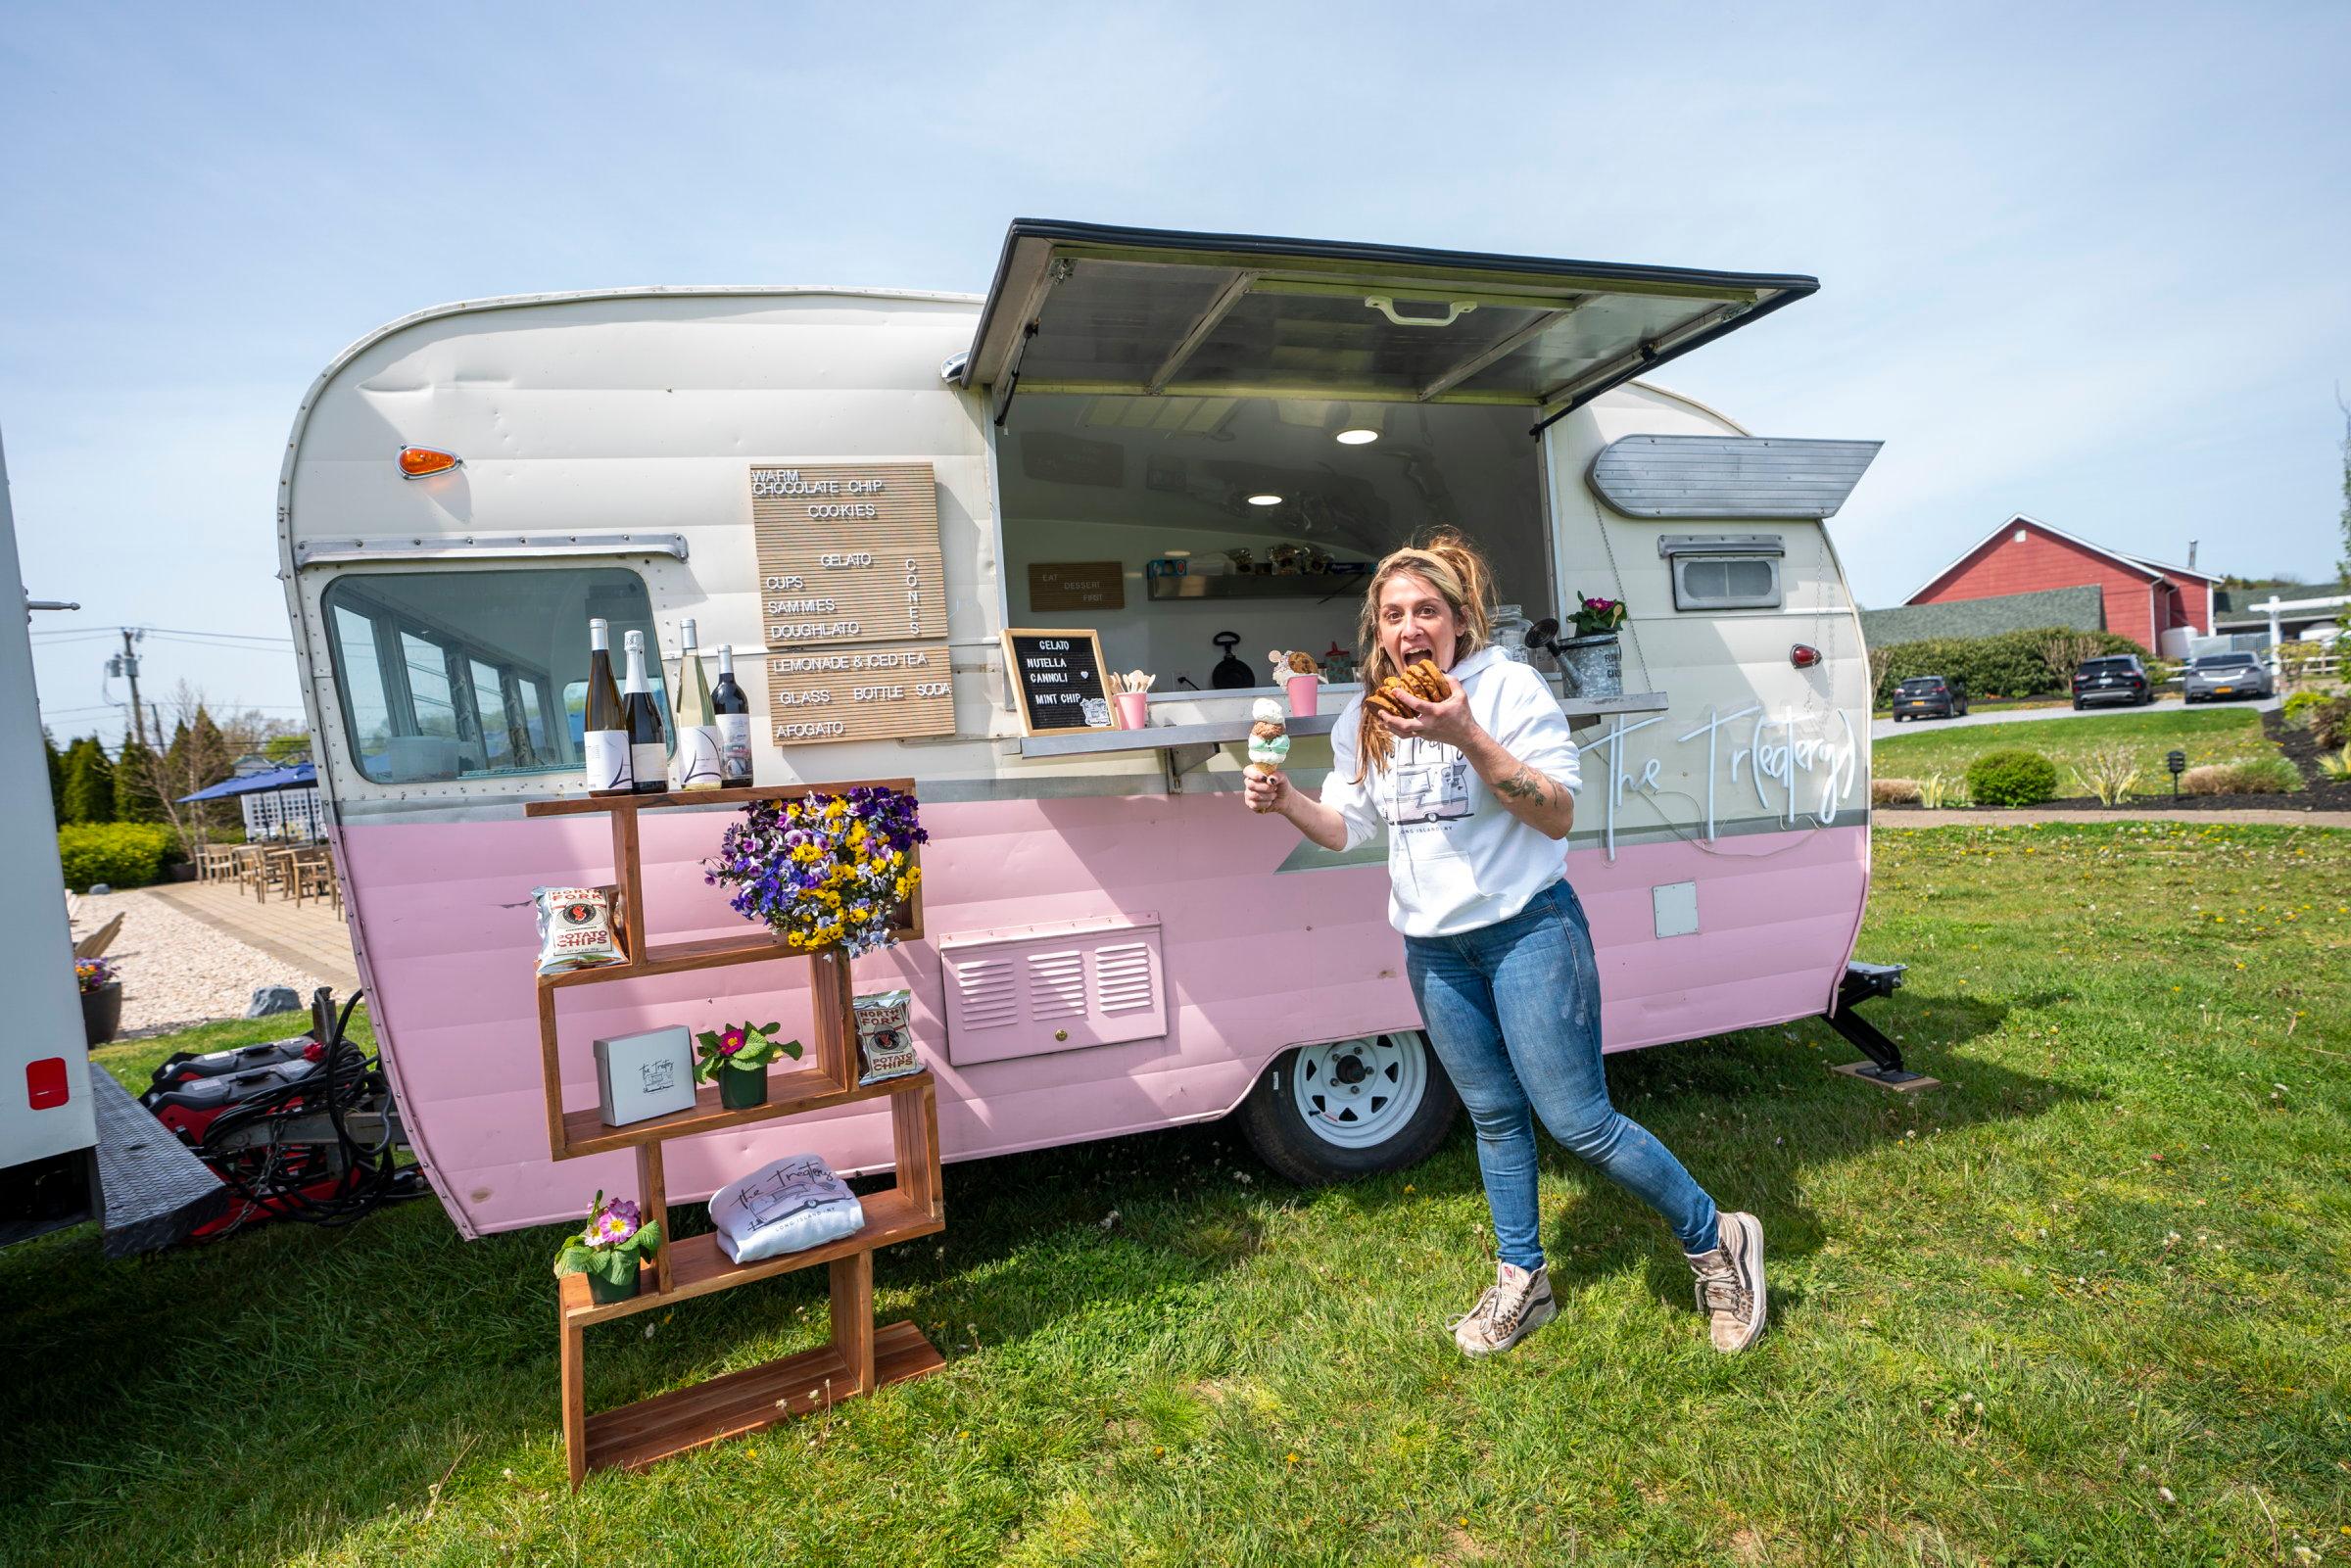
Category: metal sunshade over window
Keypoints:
(1077, 308)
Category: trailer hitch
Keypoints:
(1862, 982)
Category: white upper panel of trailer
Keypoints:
(1085, 307)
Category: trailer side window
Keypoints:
(1724, 571)
(460, 675)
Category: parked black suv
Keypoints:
(1930, 696)
(2117, 677)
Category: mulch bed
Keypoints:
(2319, 792)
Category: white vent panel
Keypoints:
(1035, 990)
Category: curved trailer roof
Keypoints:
(1083, 308)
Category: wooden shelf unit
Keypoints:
(860, 1356)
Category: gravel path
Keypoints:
(176, 970)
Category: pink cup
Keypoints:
(1304, 699)
(1134, 709)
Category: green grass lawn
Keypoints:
(2206, 735)
(2084, 1302)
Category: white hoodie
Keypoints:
(1458, 859)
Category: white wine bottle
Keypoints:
(695, 766)
(604, 737)
(648, 750)
(734, 711)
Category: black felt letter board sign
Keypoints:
(1059, 680)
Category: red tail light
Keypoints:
(45, 1082)
(1803, 655)
(416, 463)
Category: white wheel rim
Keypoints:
(1355, 1093)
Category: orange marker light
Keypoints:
(416, 463)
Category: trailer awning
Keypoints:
(1077, 307)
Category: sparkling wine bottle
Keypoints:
(695, 766)
(605, 739)
(648, 749)
(734, 718)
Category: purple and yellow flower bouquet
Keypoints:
(825, 868)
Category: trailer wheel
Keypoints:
(1351, 1108)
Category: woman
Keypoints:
(1476, 791)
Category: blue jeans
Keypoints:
(1514, 1011)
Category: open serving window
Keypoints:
(1204, 441)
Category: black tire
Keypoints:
(1290, 1146)
(2079, 705)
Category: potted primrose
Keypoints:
(618, 1238)
(737, 1055)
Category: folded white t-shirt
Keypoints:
(788, 1205)
(1458, 859)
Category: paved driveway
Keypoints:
(1884, 729)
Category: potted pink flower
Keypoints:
(737, 1055)
(618, 1239)
(1593, 660)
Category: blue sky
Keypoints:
(2083, 261)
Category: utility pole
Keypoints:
(127, 664)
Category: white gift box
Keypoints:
(642, 1075)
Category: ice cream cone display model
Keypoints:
(1422, 678)
(1269, 740)
(1302, 675)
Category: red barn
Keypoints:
(2143, 598)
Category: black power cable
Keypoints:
(366, 1176)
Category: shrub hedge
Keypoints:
(2253, 775)
(2299, 703)
(2012, 777)
(122, 854)
(2008, 665)
(2330, 723)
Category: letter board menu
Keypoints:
(848, 558)
(1058, 680)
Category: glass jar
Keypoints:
(1508, 631)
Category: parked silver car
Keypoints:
(2227, 674)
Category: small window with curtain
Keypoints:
(1724, 571)
(453, 675)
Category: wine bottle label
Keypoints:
(649, 762)
(735, 747)
(607, 757)
(696, 762)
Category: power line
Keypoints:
(242, 637)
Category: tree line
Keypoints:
(136, 783)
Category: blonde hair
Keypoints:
(1448, 563)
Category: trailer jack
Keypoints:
(1861, 982)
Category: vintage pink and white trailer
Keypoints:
(1112, 943)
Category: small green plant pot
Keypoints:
(603, 1293)
(739, 1090)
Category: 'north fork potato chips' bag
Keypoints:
(575, 928)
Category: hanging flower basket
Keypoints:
(824, 869)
